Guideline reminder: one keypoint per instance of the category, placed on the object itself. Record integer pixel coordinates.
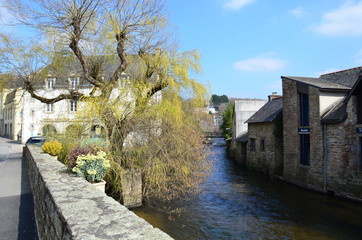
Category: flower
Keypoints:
(92, 172)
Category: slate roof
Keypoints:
(319, 83)
(72, 68)
(345, 80)
(346, 77)
(268, 112)
(10, 97)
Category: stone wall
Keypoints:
(309, 176)
(238, 153)
(269, 161)
(343, 175)
(68, 207)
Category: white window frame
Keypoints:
(50, 82)
(73, 82)
(49, 107)
(73, 105)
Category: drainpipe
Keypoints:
(325, 157)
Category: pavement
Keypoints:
(16, 200)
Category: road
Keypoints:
(16, 202)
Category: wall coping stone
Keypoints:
(86, 212)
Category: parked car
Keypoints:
(37, 140)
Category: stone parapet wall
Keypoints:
(68, 207)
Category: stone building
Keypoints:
(323, 132)
(243, 110)
(265, 138)
(22, 116)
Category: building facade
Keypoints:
(265, 140)
(243, 110)
(322, 132)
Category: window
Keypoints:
(360, 153)
(359, 107)
(50, 83)
(304, 145)
(49, 107)
(252, 144)
(303, 109)
(73, 105)
(262, 145)
(73, 83)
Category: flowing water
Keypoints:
(240, 204)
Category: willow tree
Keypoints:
(121, 42)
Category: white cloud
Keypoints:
(298, 12)
(236, 4)
(260, 63)
(344, 21)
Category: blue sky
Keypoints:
(246, 45)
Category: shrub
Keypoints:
(92, 167)
(52, 147)
(78, 150)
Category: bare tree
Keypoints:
(132, 36)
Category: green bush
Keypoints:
(52, 148)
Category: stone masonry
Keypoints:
(68, 207)
(269, 160)
(343, 175)
(307, 176)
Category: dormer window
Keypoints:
(73, 82)
(50, 83)
(49, 107)
(73, 105)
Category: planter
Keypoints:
(100, 185)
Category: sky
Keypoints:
(247, 45)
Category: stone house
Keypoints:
(22, 116)
(265, 138)
(11, 113)
(243, 110)
(323, 132)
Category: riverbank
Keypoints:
(241, 204)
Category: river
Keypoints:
(241, 204)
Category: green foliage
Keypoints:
(136, 93)
(92, 167)
(228, 120)
(74, 131)
(52, 148)
(217, 99)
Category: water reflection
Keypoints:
(238, 204)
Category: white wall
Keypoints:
(327, 100)
(35, 115)
(244, 109)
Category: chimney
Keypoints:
(273, 96)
